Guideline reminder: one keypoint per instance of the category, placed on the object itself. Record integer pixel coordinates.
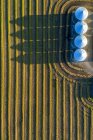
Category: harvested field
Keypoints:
(43, 96)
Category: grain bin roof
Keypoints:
(80, 55)
(81, 13)
(80, 41)
(81, 27)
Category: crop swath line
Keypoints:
(67, 108)
(86, 125)
(45, 103)
(71, 112)
(25, 81)
(45, 131)
(81, 115)
(78, 137)
(32, 83)
(39, 77)
(91, 131)
(4, 71)
(52, 107)
(64, 114)
(18, 97)
(11, 71)
(57, 110)
(74, 110)
(0, 67)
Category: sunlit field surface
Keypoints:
(44, 95)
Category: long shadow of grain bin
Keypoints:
(43, 39)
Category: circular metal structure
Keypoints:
(81, 27)
(81, 13)
(80, 55)
(80, 41)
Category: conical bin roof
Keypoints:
(80, 55)
(81, 13)
(80, 41)
(81, 27)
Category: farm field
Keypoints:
(43, 96)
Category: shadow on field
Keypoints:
(42, 39)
